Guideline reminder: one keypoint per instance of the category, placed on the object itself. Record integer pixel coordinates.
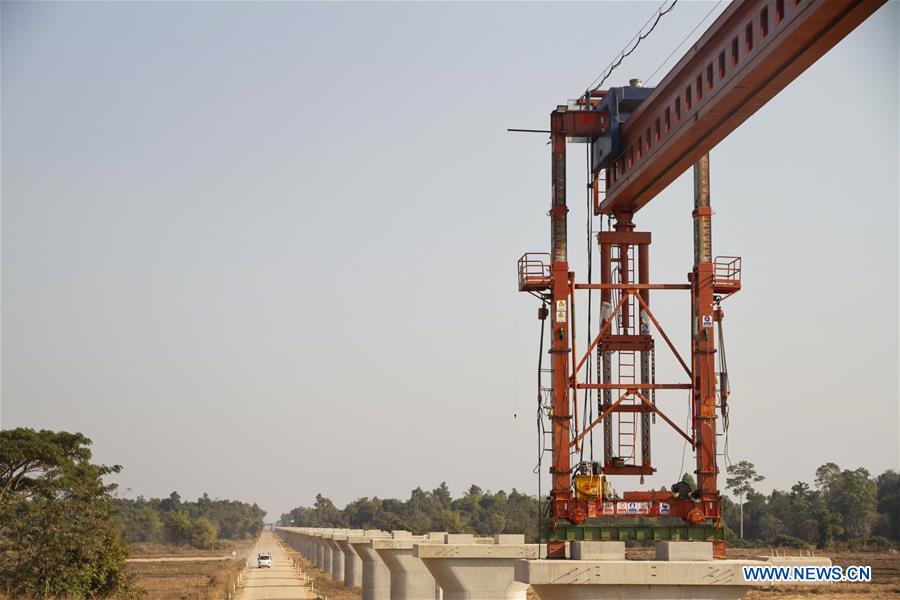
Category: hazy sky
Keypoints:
(264, 250)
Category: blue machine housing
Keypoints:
(619, 102)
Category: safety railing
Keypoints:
(727, 273)
(534, 271)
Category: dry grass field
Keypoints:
(186, 580)
(885, 578)
(182, 573)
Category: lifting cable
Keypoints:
(588, 412)
(725, 387)
(540, 421)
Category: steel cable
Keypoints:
(623, 54)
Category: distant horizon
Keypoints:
(760, 486)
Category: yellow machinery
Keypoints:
(592, 486)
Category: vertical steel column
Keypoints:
(624, 223)
(561, 418)
(704, 374)
(643, 260)
(605, 363)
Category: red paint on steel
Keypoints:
(739, 87)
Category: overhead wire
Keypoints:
(647, 80)
(637, 39)
(686, 38)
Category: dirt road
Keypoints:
(280, 582)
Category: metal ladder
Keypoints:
(627, 420)
(627, 370)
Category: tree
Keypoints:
(826, 475)
(203, 533)
(851, 494)
(889, 503)
(743, 476)
(173, 502)
(442, 496)
(200, 524)
(138, 521)
(57, 537)
(178, 527)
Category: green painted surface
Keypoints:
(637, 532)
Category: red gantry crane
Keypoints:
(641, 140)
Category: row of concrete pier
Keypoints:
(398, 565)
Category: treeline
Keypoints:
(201, 524)
(477, 511)
(841, 508)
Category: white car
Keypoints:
(264, 560)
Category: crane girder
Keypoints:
(753, 50)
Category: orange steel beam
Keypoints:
(647, 406)
(600, 418)
(753, 50)
(662, 332)
(632, 286)
(603, 331)
(655, 409)
(633, 386)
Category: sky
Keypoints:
(268, 250)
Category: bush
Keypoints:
(876, 542)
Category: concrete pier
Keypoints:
(410, 579)
(309, 546)
(376, 577)
(326, 555)
(440, 566)
(320, 551)
(337, 558)
(352, 576)
(474, 570)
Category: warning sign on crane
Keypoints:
(560, 311)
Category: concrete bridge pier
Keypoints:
(337, 558)
(470, 569)
(352, 561)
(320, 552)
(410, 579)
(376, 577)
(326, 554)
(323, 552)
(309, 546)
